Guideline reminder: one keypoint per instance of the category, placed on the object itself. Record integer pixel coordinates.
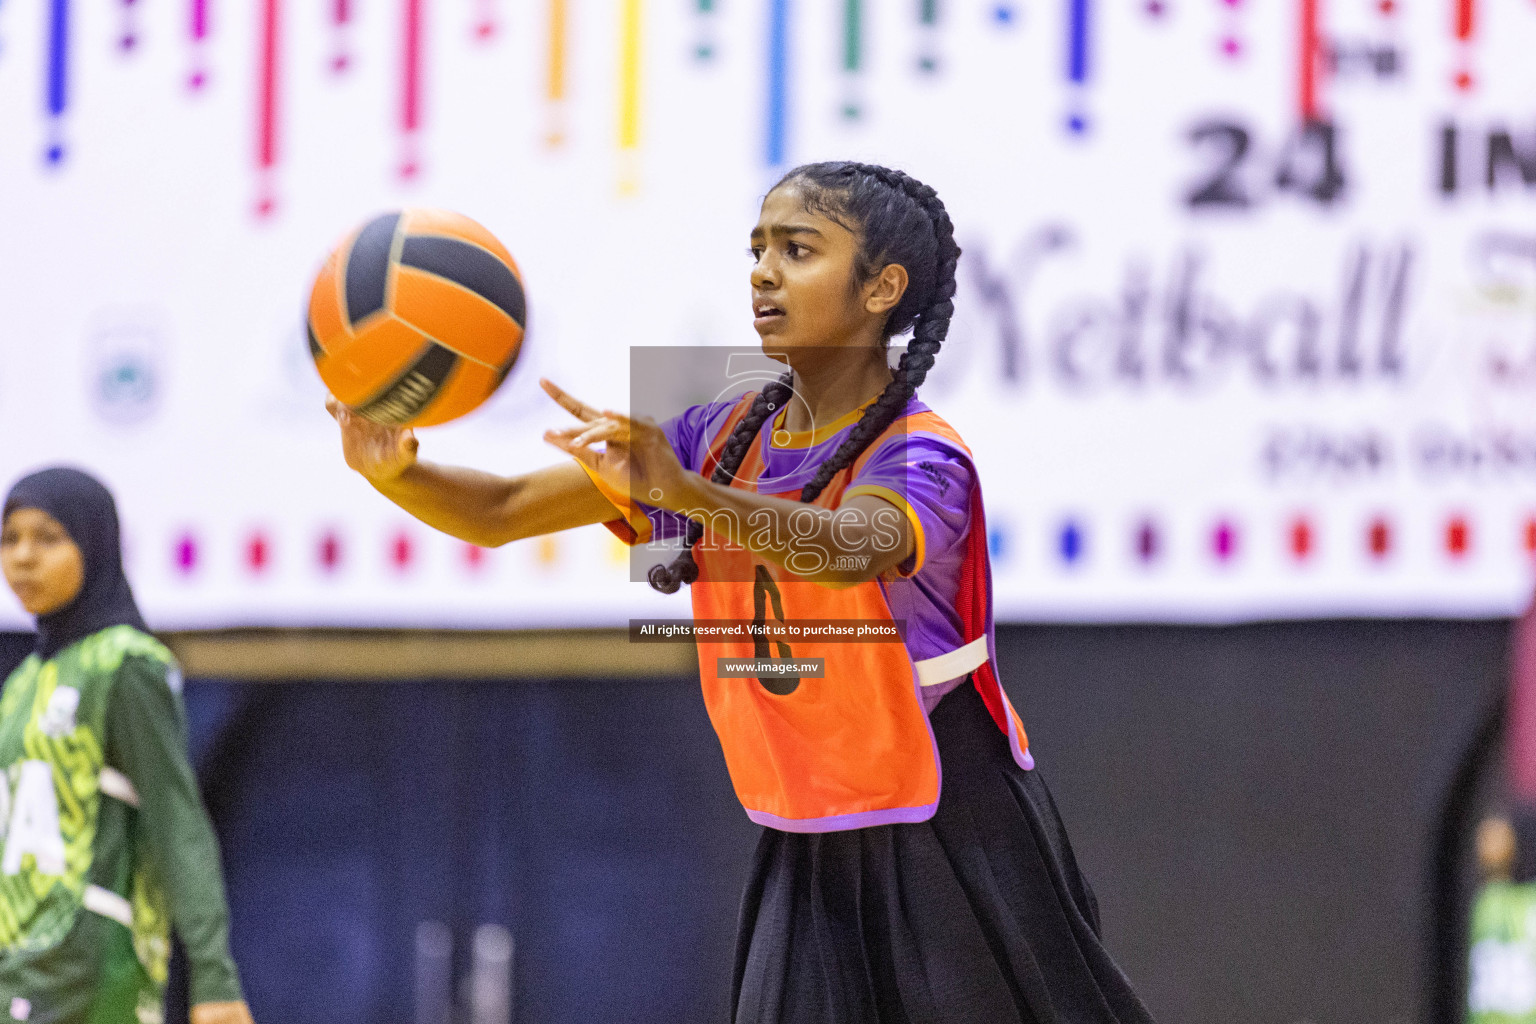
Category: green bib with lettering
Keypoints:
(1502, 977)
(52, 740)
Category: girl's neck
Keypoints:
(827, 389)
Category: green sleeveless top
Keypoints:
(104, 843)
(1501, 985)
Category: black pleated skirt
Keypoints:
(976, 915)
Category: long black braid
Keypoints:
(898, 220)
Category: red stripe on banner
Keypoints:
(1378, 538)
(329, 551)
(1464, 25)
(1458, 537)
(266, 93)
(1309, 58)
(401, 551)
(258, 553)
(1303, 539)
(485, 21)
(199, 29)
(1466, 19)
(410, 85)
(267, 90)
(341, 17)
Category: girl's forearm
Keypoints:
(463, 503)
(490, 510)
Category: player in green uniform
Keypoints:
(104, 843)
(1501, 978)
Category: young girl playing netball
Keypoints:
(106, 846)
(912, 867)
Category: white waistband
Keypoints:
(953, 664)
(108, 904)
(117, 785)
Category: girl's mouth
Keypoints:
(763, 313)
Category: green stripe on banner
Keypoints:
(852, 17)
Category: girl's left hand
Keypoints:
(636, 458)
(221, 1013)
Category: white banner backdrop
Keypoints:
(1247, 312)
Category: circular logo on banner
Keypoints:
(125, 369)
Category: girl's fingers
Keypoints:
(565, 434)
(617, 417)
(586, 455)
(576, 408)
(603, 430)
(634, 424)
(587, 433)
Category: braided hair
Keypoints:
(898, 219)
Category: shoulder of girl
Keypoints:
(105, 651)
(917, 442)
(152, 662)
(149, 673)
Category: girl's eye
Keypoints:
(755, 251)
(49, 537)
(794, 250)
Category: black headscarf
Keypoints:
(86, 510)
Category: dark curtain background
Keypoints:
(1261, 809)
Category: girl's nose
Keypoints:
(764, 273)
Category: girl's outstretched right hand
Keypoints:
(380, 453)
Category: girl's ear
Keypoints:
(884, 291)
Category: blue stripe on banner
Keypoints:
(778, 80)
(1077, 45)
(58, 48)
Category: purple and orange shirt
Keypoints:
(929, 480)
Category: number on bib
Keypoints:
(765, 589)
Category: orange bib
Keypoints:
(852, 748)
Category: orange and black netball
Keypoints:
(417, 317)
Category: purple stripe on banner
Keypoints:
(58, 76)
(58, 57)
(129, 40)
(1078, 67)
(1072, 541)
(778, 81)
(1077, 41)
